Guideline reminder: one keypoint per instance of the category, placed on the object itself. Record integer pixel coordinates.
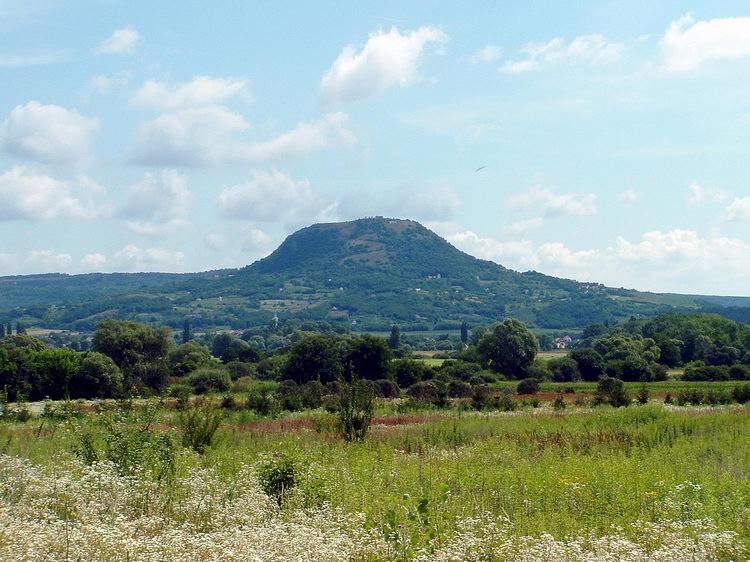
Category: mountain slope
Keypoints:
(368, 273)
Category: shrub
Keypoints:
(741, 393)
(262, 402)
(356, 408)
(388, 388)
(199, 423)
(278, 476)
(504, 402)
(242, 384)
(642, 397)
(559, 403)
(207, 380)
(181, 394)
(459, 389)
(481, 397)
(528, 386)
(611, 391)
(563, 369)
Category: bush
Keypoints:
(242, 384)
(741, 393)
(429, 392)
(356, 408)
(278, 476)
(563, 369)
(262, 402)
(388, 388)
(181, 394)
(559, 403)
(642, 397)
(199, 423)
(207, 380)
(611, 391)
(528, 386)
(459, 389)
(481, 397)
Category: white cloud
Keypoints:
(304, 139)
(387, 60)
(593, 49)
(93, 262)
(200, 91)
(699, 195)
(190, 137)
(523, 226)
(256, 240)
(121, 42)
(487, 54)
(554, 205)
(25, 196)
(47, 133)
(47, 261)
(104, 82)
(688, 44)
(269, 195)
(630, 197)
(738, 210)
(679, 260)
(157, 203)
(206, 135)
(134, 258)
(517, 251)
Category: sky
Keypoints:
(598, 141)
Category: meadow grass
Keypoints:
(420, 477)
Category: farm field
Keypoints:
(653, 482)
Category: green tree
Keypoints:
(590, 363)
(509, 348)
(563, 369)
(97, 376)
(368, 357)
(138, 350)
(464, 332)
(188, 357)
(53, 369)
(318, 357)
(395, 339)
(186, 334)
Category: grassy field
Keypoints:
(647, 482)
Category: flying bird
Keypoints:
(480, 169)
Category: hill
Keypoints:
(367, 274)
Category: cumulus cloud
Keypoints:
(269, 195)
(93, 262)
(200, 91)
(157, 203)
(516, 251)
(487, 54)
(630, 197)
(388, 59)
(28, 196)
(679, 260)
(256, 241)
(689, 44)
(190, 137)
(207, 135)
(523, 226)
(47, 133)
(553, 205)
(593, 49)
(698, 195)
(121, 42)
(738, 210)
(47, 261)
(135, 258)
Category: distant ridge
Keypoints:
(366, 274)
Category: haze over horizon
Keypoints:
(602, 142)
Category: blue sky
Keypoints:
(156, 136)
